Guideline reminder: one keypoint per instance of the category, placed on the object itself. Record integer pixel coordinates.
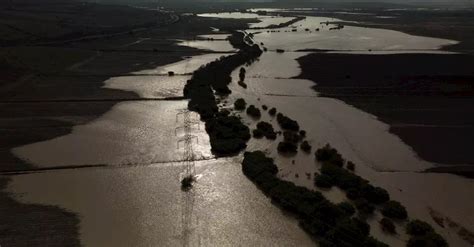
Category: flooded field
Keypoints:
(263, 21)
(382, 157)
(187, 66)
(314, 33)
(212, 45)
(144, 206)
(141, 203)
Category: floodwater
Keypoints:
(347, 38)
(136, 132)
(187, 66)
(142, 205)
(381, 157)
(210, 45)
(132, 133)
(137, 200)
(150, 86)
(264, 21)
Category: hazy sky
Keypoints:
(437, 2)
(324, 1)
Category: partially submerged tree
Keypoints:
(253, 111)
(240, 104)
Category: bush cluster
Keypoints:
(242, 74)
(395, 210)
(354, 186)
(329, 155)
(291, 136)
(253, 111)
(228, 135)
(289, 145)
(272, 112)
(422, 234)
(267, 130)
(287, 123)
(242, 84)
(287, 148)
(388, 226)
(364, 207)
(358, 189)
(365, 195)
(350, 166)
(332, 224)
(216, 76)
(323, 181)
(306, 147)
(240, 104)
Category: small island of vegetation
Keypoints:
(287, 123)
(365, 196)
(267, 130)
(240, 104)
(332, 224)
(254, 111)
(228, 135)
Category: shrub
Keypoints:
(272, 111)
(287, 148)
(257, 133)
(287, 123)
(306, 147)
(267, 130)
(242, 84)
(347, 208)
(303, 133)
(223, 113)
(431, 239)
(375, 195)
(350, 166)
(364, 207)
(291, 136)
(187, 182)
(323, 181)
(228, 135)
(240, 104)
(423, 234)
(418, 228)
(256, 164)
(394, 209)
(253, 112)
(372, 242)
(242, 74)
(358, 230)
(353, 193)
(330, 155)
(264, 107)
(387, 225)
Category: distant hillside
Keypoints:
(26, 21)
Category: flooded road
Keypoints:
(137, 201)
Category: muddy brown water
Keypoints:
(144, 205)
